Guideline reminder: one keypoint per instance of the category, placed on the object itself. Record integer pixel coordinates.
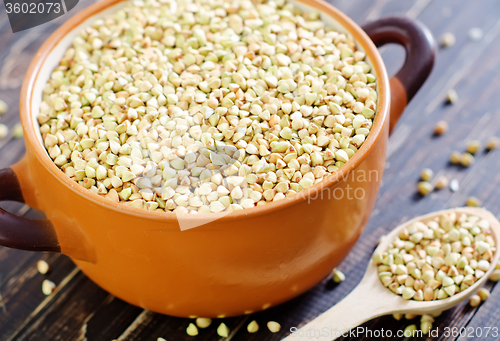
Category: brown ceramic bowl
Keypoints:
(231, 264)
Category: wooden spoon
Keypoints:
(371, 299)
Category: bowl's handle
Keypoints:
(420, 53)
(18, 232)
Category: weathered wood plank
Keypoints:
(20, 283)
(14, 78)
(420, 150)
(101, 327)
(484, 318)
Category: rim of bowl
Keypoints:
(40, 152)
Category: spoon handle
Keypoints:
(362, 304)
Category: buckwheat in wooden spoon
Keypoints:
(371, 298)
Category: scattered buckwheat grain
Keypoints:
(410, 330)
(441, 128)
(495, 276)
(467, 159)
(448, 39)
(192, 330)
(3, 107)
(203, 322)
(473, 146)
(397, 316)
(4, 131)
(451, 96)
(492, 143)
(483, 293)
(48, 287)
(42, 267)
(274, 327)
(253, 327)
(456, 158)
(426, 323)
(441, 183)
(17, 131)
(474, 301)
(223, 330)
(424, 187)
(338, 276)
(454, 185)
(473, 202)
(426, 174)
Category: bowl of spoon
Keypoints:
(370, 298)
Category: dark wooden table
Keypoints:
(80, 310)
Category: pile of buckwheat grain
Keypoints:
(206, 105)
